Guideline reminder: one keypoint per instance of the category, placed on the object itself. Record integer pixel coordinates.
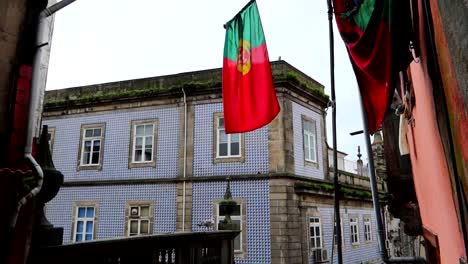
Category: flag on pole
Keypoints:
(249, 96)
(376, 34)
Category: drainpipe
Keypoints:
(36, 95)
(185, 160)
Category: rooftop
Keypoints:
(197, 82)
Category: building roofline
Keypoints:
(169, 86)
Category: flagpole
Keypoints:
(374, 189)
(335, 146)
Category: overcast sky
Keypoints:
(98, 41)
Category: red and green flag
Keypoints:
(376, 34)
(249, 96)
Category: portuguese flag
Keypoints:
(376, 34)
(249, 97)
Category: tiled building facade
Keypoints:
(138, 160)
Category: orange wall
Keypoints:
(430, 171)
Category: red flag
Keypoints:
(376, 34)
(249, 96)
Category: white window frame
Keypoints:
(354, 230)
(85, 221)
(139, 219)
(144, 141)
(233, 217)
(335, 238)
(93, 140)
(318, 236)
(312, 140)
(367, 229)
(229, 141)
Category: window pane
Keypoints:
(144, 227)
(97, 132)
(234, 149)
(87, 146)
(89, 227)
(235, 137)
(88, 237)
(237, 210)
(79, 227)
(308, 126)
(237, 224)
(223, 138)
(95, 158)
(86, 158)
(79, 237)
(318, 242)
(149, 130)
(237, 242)
(140, 130)
(134, 227)
(148, 155)
(138, 142)
(134, 211)
(221, 122)
(149, 142)
(81, 212)
(138, 155)
(97, 145)
(144, 211)
(88, 132)
(90, 212)
(223, 149)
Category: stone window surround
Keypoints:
(79, 166)
(321, 232)
(216, 159)
(354, 216)
(130, 204)
(364, 218)
(133, 123)
(313, 212)
(314, 123)
(51, 131)
(75, 207)
(242, 201)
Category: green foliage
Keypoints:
(136, 93)
(345, 191)
(293, 78)
(155, 91)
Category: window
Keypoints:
(353, 225)
(310, 140)
(335, 239)
(315, 233)
(237, 218)
(229, 147)
(143, 143)
(92, 141)
(367, 229)
(139, 218)
(50, 138)
(84, 223)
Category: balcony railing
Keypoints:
(178, 248)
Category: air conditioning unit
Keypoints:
(320, 255)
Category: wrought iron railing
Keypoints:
(178, 248)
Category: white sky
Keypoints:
(98, 41)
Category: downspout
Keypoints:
(37, 92)
(185, 160)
